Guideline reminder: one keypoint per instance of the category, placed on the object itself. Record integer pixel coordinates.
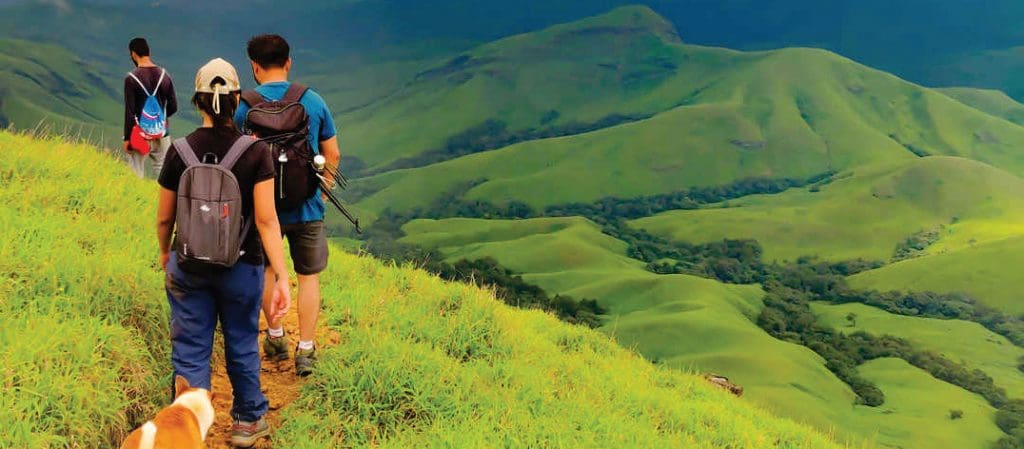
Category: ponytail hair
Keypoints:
(228, 104)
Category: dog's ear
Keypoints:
(180, 385)
(212, 396)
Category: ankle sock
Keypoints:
(276, 333)
(305, 345)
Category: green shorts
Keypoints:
(308, 246)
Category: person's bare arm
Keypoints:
(329, 148)
(129, 119)
(165, 210)
(270, 233)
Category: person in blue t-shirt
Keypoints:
(304, 226)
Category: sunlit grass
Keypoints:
(421, 362)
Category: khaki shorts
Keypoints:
(308, 246)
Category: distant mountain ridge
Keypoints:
(670, 116)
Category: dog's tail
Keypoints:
(148, 439)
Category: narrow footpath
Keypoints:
(278, 380)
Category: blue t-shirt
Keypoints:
(321, 127)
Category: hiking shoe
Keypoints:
(304, 361)
(246, 434)
(276, 349)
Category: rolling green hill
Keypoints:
(48, 84)
(991, 101)
(988, 272)
(866, 213)
(916, 401)
(691, 323)
(423, 363)
(958, 340)
(718, 116)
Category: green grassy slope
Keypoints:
(423, 363)
(46, 83)
(918, 407)
(725, 116)
(957, 340)
(992, 101)
(83, 340)
(520, 80)
(866, 213)
(684, 322)
(990, 272)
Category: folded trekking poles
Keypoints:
(320, 166)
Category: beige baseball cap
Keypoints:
(213, 69)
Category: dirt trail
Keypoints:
(278, 379)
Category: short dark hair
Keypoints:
(139, 46)
(268, 50)
(228, 105)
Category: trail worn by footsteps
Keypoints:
(278, 380)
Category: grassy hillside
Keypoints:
(421, 363)
(986, 271)
(992, 101)
(956, 339)
(687, 322)
(719, 116)
(916, 402)
(84, 323)
(46, 83)
(866, 213)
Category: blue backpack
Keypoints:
(153, 118)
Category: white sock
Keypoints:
(276, 333)
(305, 345)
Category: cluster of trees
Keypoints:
(609, 209)
(915, 245)
(788, 316)
(382, 242)
(732, 261)
(827, 281)
(1010, 419)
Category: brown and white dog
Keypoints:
(182, 425)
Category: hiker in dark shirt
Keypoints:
(201, 296)
(146, 79)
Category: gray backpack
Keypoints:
(210, 226)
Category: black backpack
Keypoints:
(284, 126)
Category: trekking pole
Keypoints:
(337, 203)
(339, 178)
(320, 164)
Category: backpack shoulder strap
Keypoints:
(236, 151)
(252, 97)
(143, 86)
(159, 81)
(188, 155)
(294, 93)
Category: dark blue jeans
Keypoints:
(232, 295)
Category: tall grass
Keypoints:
(83, 341)
(421, 362)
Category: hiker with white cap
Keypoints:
(217, 196)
